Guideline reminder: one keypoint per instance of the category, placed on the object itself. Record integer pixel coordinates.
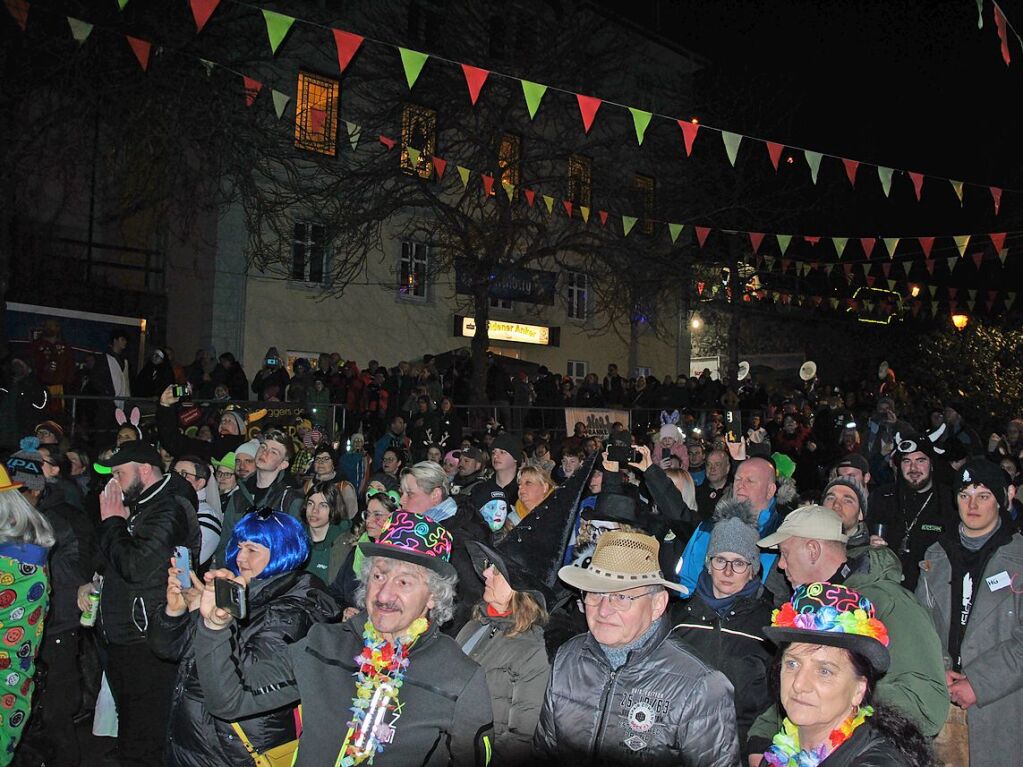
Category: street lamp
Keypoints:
(696, 322)
(960, 320)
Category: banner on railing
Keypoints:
(598, 420)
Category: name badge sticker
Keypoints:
(999, 581)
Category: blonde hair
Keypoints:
(525, 613)
(683, 480)
(535, 471)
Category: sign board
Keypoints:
(698, 364)
(516, 332)
(531, 286)
(598, 420)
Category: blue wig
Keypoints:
(282, 534)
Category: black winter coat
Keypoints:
(282, 609)
(734, 644)
(69, 569)
(866, 748)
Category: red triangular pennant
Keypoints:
(978, 259)
(996, 195)
(141, 49)
(774, 152)
(701, 234)
(850, 169)
(440, 164)
(886, 267)
(929, 263)
(998, 240)
(568, 207)
(347, 46)
(474, 78)
(19, 10)
(588, 106)
(603, 217)
(811, 240)
(530, 196)
(488, 184)
(252, 88)
(926, 243)
(868, 245)
(1002, 36)
(689, 130)
(990, 303)
(201, 11)
(700, 286)
(785, 264)
(387, 141)
(918, 183)
(755, 239)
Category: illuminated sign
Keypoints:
(517, 332)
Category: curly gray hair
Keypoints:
(441, 587)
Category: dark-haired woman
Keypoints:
(267, 550)
(325, 469)
(324, 517)
(831, 652)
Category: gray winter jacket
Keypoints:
(517, 672)
(992, 649)
(663, 707)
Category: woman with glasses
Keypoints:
(227, 480)
(722, 623)
(393, 461)
(324, 517)
(380, 504)
(505, 637)
(266, 550)
(324, 469)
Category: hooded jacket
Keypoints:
(280, 496)
(992, 648)
(282, 609)
(663, 707)
(446, 719)
(915, 681)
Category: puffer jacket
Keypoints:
(734, 644)
(282, 609)
(517, 673)
(137, 553)
(663, 707)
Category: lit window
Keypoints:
(579, 183)
(413, 272)
(577, 295)
(577, 370)
(418, 131)
(643, 189)
(316, 113)
(309, 252)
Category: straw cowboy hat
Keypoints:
(621, 561)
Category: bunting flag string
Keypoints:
(201, 12)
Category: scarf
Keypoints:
(617, 656)
(785, 750)
(382, 666)
(705, 591)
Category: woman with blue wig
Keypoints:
(267, 551)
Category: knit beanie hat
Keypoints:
(733, 532)
(238, 417)
(247, 448)
(853, 485)
(26, 465)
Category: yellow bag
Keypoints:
(278, 756)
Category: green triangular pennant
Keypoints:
(675, 230)
(783, 242)
(885, 174)
(951, 263)
(906, 266)
(640, 120)
(891, 284)
(121, 4)
(732, 141)
(533, 93)
(833, 302)
(280, 102)
(413, 62)
(413, 156)
(463, 173)
(891, 243)
(980, 14)
(933, 289)
(957, 187)
(971, 303)
(866, 269)
(277, 26)
(934, 308)
(840, 243)
(549, 202)
(973, 294)
(962, 240)
(813, 159)
(354, 133)
(627, 223)
(1002, 254)
(509, 190)
(80, 30)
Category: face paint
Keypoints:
(495, 513)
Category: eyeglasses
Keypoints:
(738, 565)
(394, 495)
(618, 601)
(322, 459)
(224, 474)
(186, 474)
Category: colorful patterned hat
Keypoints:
(416, 539)
(834, 615)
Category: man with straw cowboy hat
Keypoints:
(626, 691)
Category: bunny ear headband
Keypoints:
(133, 421)
(671, 418)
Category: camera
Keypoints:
(230, 596)
(623, 454)
(179, 390)
(271, 362)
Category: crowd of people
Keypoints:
(788, 578)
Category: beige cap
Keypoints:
(621, 561)
(814, 522)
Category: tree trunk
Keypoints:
(478, 386)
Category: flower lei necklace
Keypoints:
(382, 667)
(785, 751)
